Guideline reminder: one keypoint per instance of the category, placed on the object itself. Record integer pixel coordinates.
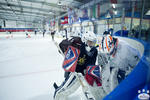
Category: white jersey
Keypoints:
(126, 56)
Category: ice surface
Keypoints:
(29, 67)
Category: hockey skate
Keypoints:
(70, 85)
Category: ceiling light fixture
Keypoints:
(113, 5)
(50, 12)
(148, 12)
(14, 0)
(115, 12)
(108, 15)
(59, 3)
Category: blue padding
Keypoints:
(124, 33)
(136, 15)
(138, 79)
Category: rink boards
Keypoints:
(16, 29)
(138, 79)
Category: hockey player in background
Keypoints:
(85, 54)
(117, 59)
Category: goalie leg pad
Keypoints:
(105, 79)
(113, 78)
(86, 88)
(69, 86)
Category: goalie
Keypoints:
(117, 59)
(79, 56)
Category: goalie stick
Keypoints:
(88, 94)
(60, 51)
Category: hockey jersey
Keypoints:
(125, 56)
(86, 58)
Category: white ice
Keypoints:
(29, 67)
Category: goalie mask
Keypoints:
(107, 45)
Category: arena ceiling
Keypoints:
(40, 10)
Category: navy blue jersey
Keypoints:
(86, 58)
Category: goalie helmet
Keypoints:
(89, 37)
(90, 40)
(107, 44)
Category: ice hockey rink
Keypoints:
(29, 67)
(30, 62)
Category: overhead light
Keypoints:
(115, 12)
(113, 5)
(108, 15)
(59, 3)
(50, 12)
(148, 12)
(14, 0)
